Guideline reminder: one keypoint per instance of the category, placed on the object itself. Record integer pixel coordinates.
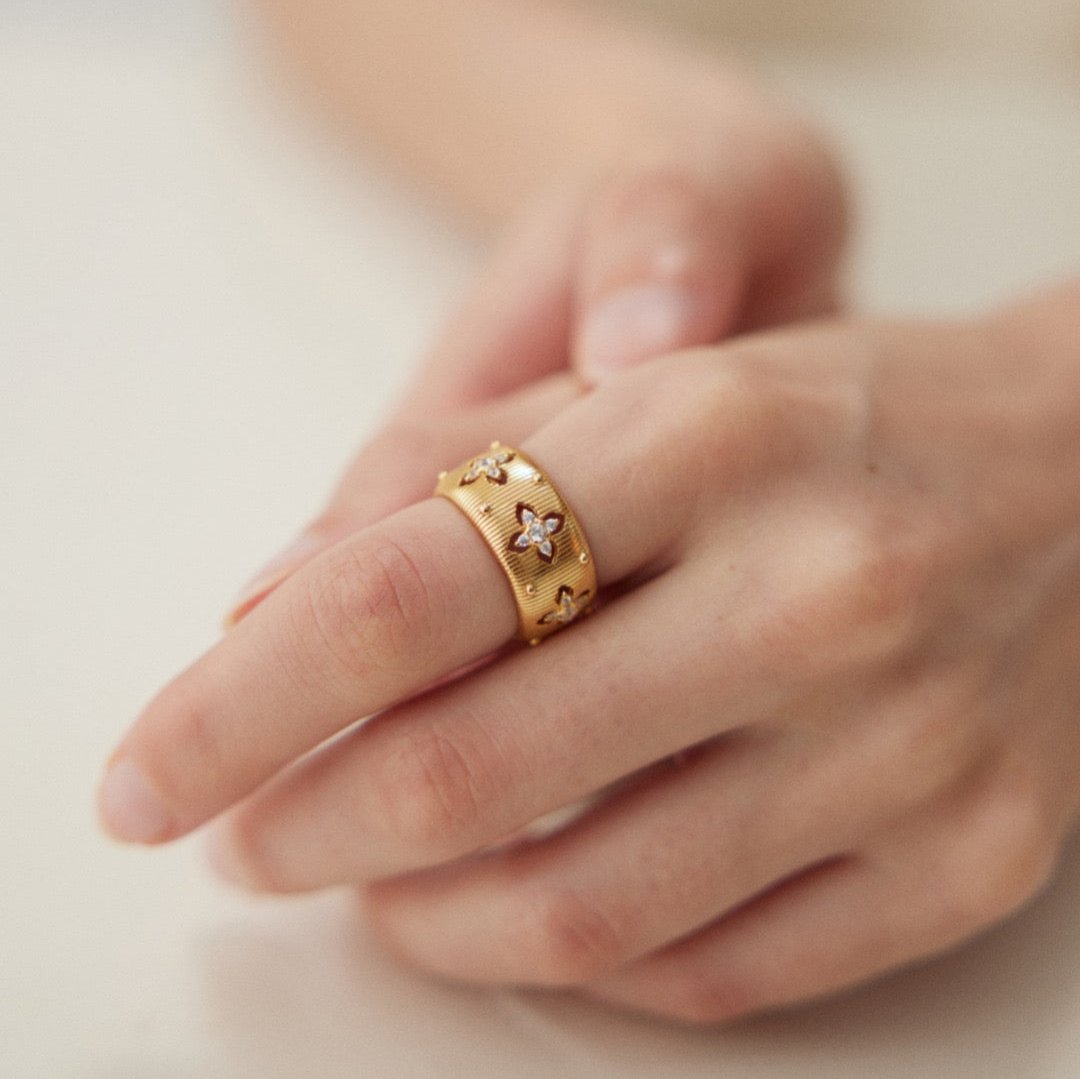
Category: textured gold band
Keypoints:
(531, 531)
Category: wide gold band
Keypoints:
(531, 531)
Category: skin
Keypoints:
(651, 198)
(851, 553)
(848, 552)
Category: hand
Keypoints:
(718, 211)
(827, 718)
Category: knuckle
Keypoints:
(739, 413)
(776, 402)
(721, 410)
(1027, 843)
(941, 736)
(873, 597)
(748, 412)
(867, 605)
(373, 602)
(430, 793)
(882, 587)
(567, 939)
(1014, 847)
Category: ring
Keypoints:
(533, 533)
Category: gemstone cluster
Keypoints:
(490, 467)
(536, 532)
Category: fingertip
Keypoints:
(129, 807)
(638, 323)
(656, 278)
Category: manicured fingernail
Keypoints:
(130, 808)
(272, 574)
(633, 325)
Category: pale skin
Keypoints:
(825, 721)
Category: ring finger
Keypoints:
(654, 863)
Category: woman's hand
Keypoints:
(828, 717)
(660, 200)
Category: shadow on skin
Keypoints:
(295, 984)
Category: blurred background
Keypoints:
(207, 297)
(1041, 36)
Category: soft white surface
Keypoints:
(202, 310)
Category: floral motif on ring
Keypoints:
(536, 531)
(490, 466)
(567, 607)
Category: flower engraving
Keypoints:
(567, 607)
(490, 466)
(536, 531)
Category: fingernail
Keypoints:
(272, 574)
(130, 807)
(633, 325)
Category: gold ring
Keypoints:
(534, 534)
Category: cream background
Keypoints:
(1038, 36)
(202, 308)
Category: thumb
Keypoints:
(661, 266)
